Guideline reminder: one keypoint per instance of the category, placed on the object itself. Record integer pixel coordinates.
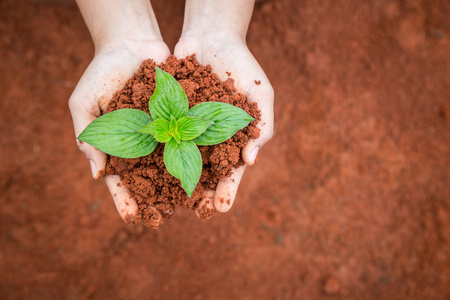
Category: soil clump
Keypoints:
(155, 190)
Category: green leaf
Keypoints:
(168, 98)
(184, 161)
(227, 120)
(176, 135)
(191, 127)
(173, 127)
(116, 133)
(159, 129)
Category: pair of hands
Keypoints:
(117, 59)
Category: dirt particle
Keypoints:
(228, 73)
(332, 286)
(152, 217)
(437, 34)
(100, 175)
(205, 213)
(167, 210)
(258, 82)
(131, 219)
(228, 85)
(278, 239)
(444, 113)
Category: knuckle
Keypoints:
(76, 106)
(79, 104)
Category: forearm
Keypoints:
(111, 20)
(217, 17)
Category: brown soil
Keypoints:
(350, 200)
(150, 184)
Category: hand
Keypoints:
(114, 63)
(125, 33)
(229, 53)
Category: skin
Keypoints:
(125, 33)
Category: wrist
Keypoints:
(222, 19)
(201, 43)
(134, 45)
(139, 50)
(212, 34)
(119, 22)
(124, 38)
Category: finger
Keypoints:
(226, 190)
(125, 204)
(152, 217)
(205, 209)
(96, 158)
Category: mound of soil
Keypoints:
(155, 190)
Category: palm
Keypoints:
(109, 70)
(232, 56)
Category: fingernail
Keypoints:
(93, 169)
(254, 155)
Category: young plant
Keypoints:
(132, 133)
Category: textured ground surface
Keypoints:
(351, 199)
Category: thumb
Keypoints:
(96, 158)
(250, 152)
(265, 96)
(82, 116)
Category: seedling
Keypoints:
(132, 133)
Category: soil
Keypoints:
(350, 199)
(150, 184)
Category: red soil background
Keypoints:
(350, 200)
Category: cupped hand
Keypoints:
(229, 54)
(113, 64)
